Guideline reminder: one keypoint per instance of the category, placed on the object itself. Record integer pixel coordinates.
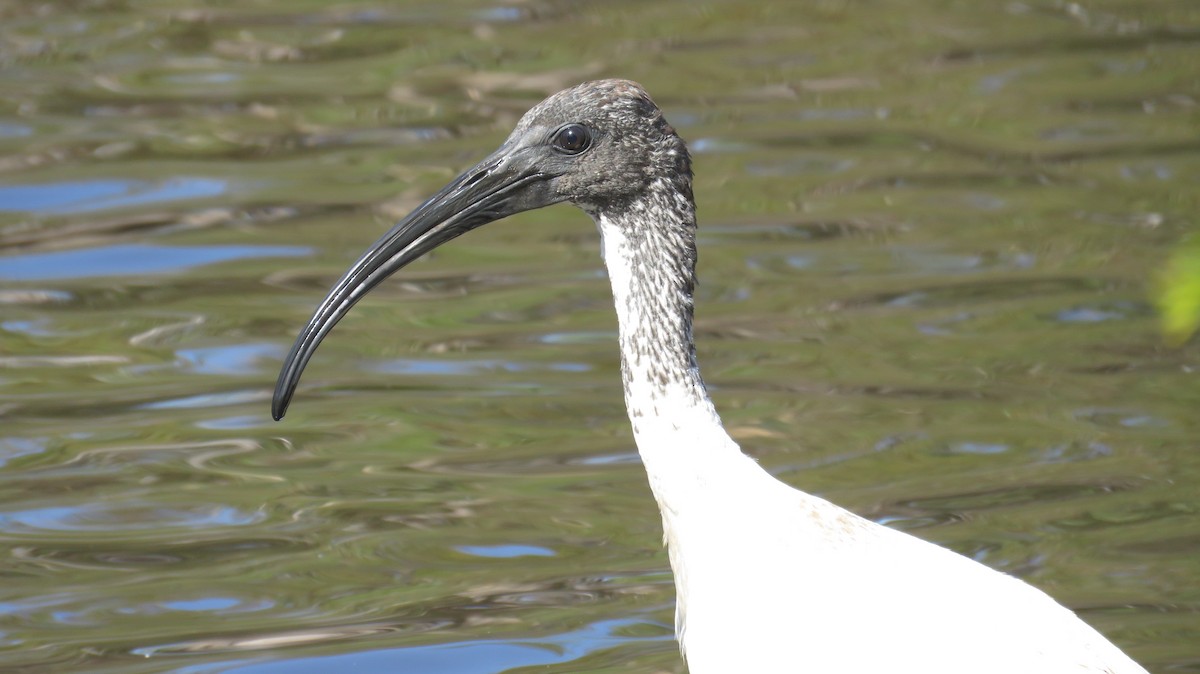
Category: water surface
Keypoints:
(928, 235)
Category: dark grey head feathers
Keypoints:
(632, 145)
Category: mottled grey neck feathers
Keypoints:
(650, 250)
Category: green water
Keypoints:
(930, 231)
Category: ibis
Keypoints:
(768, 578)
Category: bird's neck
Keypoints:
(691, 462)
(650, 250)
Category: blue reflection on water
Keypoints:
(15, 447)
(219, 399)
(130, 260)
(505, 550)
(94, 195)
(460, 657)
(202, 604)
(110, 517)
(230, 359)
(12, 130)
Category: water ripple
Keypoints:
(480, 656)
(505, 551)
(221, 399)
(230, 359)
(110, 517)
(413, 366)
(130, 260)
(95, 195)
(14, 447)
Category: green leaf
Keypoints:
(1179, 293)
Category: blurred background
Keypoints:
(930, 233)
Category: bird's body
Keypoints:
(840, 594)
(768, 578)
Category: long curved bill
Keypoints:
(497, 187)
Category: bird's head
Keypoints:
(599, 145)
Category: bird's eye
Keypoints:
(572, 139)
